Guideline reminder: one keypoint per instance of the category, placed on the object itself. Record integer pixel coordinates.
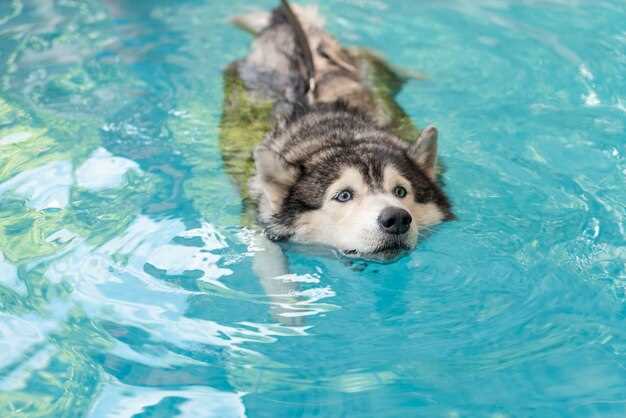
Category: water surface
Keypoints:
(126, 285)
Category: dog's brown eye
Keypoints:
(343, 196)
(399, 191)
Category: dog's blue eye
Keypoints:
(399, 191)
(343, 196)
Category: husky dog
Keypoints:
(332, 177)
(336, 169)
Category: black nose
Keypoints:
(394, 220)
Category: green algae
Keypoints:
(71, 378)
(245, 121)
(23, 231)
(385, 83)
(30, 141)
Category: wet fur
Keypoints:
(326, 123)
(315, 147)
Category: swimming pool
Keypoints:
(126, 285)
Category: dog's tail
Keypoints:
(253, 22)
(256, 22)
(302, 41)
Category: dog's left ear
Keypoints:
(275, 175)
(424, 151)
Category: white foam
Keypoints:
(43, 187)
(297, 278)
(24, 333)
(163, 359)
(142, 236)
(103, 171)
(591, 99)
(177, 259)
(62, 236)
(16, 137)
(584, 71)
(111, 282)
(17, 379)
(117, 400)
(212, 239)
(8, 276)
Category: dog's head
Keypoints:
(369, 198)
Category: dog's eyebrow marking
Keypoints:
(350, 177)
(393, 177)
(375, 173)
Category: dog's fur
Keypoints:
(329, 149)
(329, 137)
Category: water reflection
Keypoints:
(126, 282)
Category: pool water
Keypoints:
(126, 284)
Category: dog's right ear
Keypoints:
(424, 151)
(275, 176)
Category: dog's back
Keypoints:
(296, 64)
(268, 86)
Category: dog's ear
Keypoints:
(424, 151)
(275, 175)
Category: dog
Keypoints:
(337, 168)
(322, 153)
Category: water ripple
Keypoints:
(127, 285)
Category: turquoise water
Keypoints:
(126, 286)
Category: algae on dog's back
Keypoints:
(245, 120)
(384, 84)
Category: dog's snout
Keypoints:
(394, 220)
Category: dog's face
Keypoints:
(373, 204)
(369, 220)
